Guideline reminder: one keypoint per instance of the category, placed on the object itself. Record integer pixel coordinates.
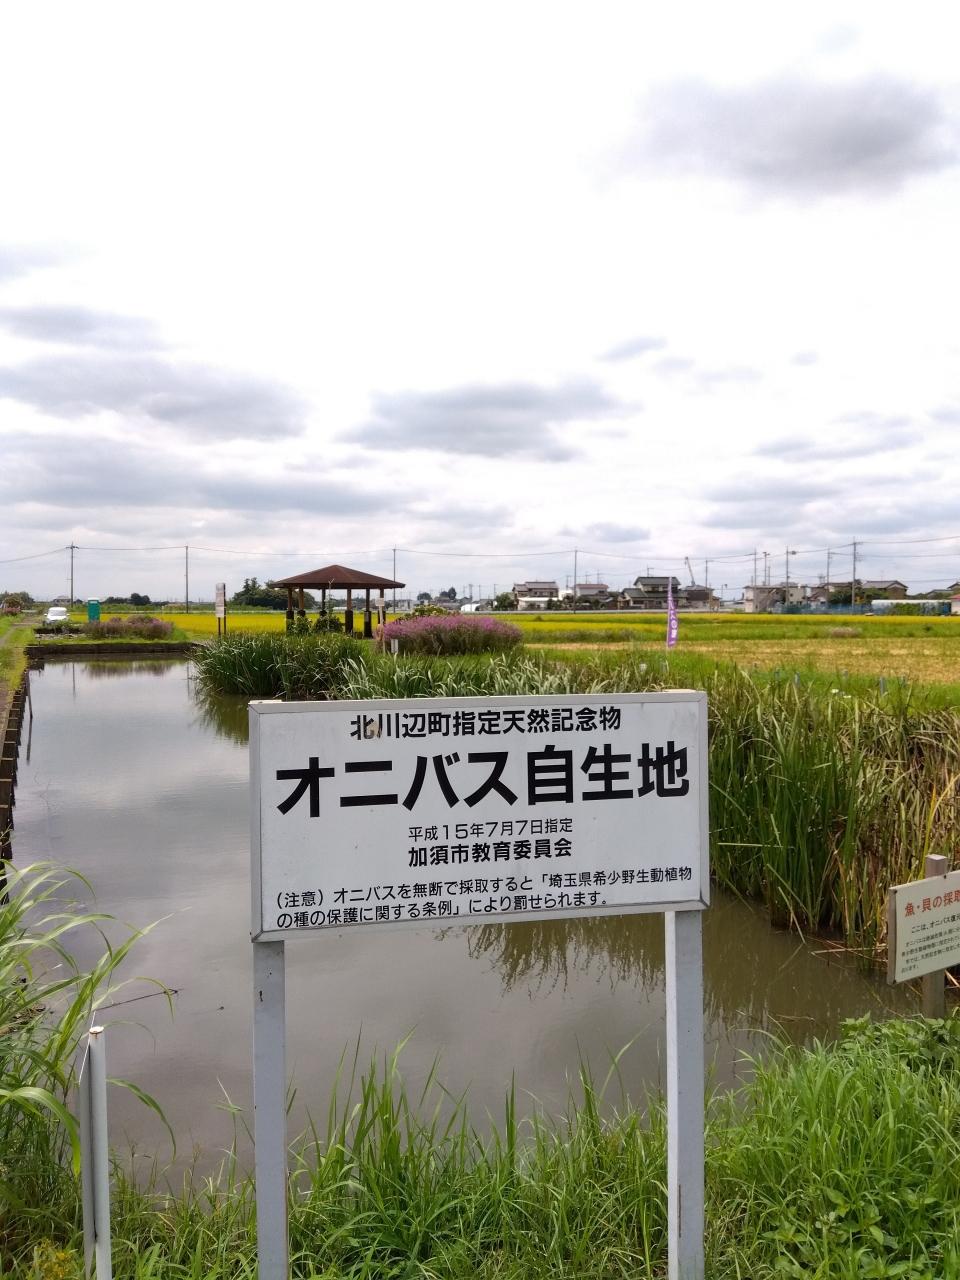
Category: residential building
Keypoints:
(772, 596)
(651, 592)
(867, 589)
(536, 590)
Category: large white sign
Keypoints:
(923, 932)
(220, 604)
(431, 812)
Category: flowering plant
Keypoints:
(454, 633)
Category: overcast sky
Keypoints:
(495, 281)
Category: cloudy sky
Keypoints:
(485, 283)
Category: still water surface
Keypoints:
(129, 779)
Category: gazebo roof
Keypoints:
(335, 575)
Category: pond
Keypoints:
(131, 779)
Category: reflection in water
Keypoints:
(118, 668)
(754, 975)
(226, 716)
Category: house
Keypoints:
(591, 590)
(889, 588)
(536, 590)
(770, 597)
(955, 604)
(867, 589)
(651, 593)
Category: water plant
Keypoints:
(277, 665)
(133, 627)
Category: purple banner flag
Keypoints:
(673, 624)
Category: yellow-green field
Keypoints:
(923, 649)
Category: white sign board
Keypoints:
(923, 932)
(220, 608)
(429, 812)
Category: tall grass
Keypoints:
(821, 797)
(277, 665)
(46, 1004)
(835, 1161)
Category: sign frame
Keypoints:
(683, 975)
(377, 706)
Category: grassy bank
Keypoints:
(821, 797)
(836, 1161)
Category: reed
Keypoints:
(46, 1004)
(821, 796)
(277, 665)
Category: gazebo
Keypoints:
(335, 577)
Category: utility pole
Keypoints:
(754, 568)
(706, 573)
(853, 583)
(186, 578)
(73, 548)
(394, 578)
(766, 568)
(574, 580)
(827, 583)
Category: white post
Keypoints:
(685, 1118)
(95, 1158)
(86, 1162)
(270, 1109)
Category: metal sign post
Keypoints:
(95, 1157)
(430, 812)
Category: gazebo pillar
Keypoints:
(301, 611)
(289, 608)
(323, 602)
(367, 624)
(348, 613)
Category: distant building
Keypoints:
(591, 591)
(536, 590)
(651, 593)
(885, 588)
(769, 597)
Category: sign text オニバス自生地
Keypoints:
(442, 811)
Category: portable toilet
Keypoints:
(93, 610)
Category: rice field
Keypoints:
(919, 650)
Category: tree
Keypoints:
(505, 600)
(256, 596)
(424, 597)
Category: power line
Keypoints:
(35, 556)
